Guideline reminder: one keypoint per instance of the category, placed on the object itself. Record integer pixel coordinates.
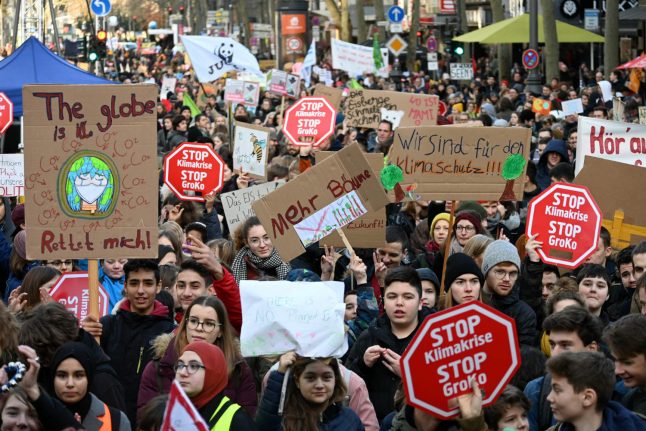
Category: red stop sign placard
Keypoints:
(309, 121)
(567, 220)
(193, 170)
(6, 113)
(73, 292)
(454, 346)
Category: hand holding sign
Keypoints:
(470, 405)
(359, 269)
(530, 247)
(286, 361)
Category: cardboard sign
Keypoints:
(250, 149)
(277, 81)
(12, 175)
(91, 170)
(455, 163)
(193, 170)
(245, 92)
(167, 86)
(293, 86)
(366, 108)
(461, 71)
(611, 140)
(312, 190)
(567, 220)
(453, 346)
(279, 316)
(332, 94)
(623, 215)
(237, 204)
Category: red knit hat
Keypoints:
(215, 371)
(471, 217)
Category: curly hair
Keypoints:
(298, 413)
(9, 331)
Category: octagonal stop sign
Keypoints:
(6, 113)
(309, 121)
(72, 290)
(453, 347)
(567, 220)
(193, 170)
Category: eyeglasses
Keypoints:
(60, 262)
(207, 325)
(256, 241)
(500, 274)
(465, 228)
(191, 367)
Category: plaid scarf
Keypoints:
(245, 257)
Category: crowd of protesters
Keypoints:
(178, 317)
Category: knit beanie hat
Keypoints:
(471, 217)
(472, 206)
(19, 244)
(440, 216)
(497, 252)
(429, 275)
(18, 215)
(216, 376)
(459, 264)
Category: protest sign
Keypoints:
(309, 121)
(193, 170)
(91, 170)
(279, 316)
(250, 148)
(456, 163)
(332, 94)
(325, 75)
(180, 413)
(72, 290)
(12, 175)
(237, 204)
(454, 346)
(356, 59)
(611, 140)
(293, 86)
(234, 91)
(642, 115)
(571, 107)
(312, 190)
(623, 215)
(366, 108)
(167, 86)
(618, 109)
(606, 90)
(277, 80)
(461, 71)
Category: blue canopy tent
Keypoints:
(33, 63)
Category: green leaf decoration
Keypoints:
(390, 176)
(513, 167)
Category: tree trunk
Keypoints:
(362, 28)
(380, 14)
(611, 47)
(243, 21)
(346, 25)
(335, 13)
(464, 28)
(412, 37)
(551, 42)
(199, 16)
(504, 50)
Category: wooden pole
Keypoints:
(447, 249)
(93, 287)
(345, 241)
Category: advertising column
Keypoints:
(292, 22)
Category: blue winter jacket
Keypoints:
(334, 418)
(615, 418)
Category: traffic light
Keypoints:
(92, 53)
(457, 48)
(101, 43)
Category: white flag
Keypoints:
(308, 63)
(181, 414)
(212, 57)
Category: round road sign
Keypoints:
(530, 59)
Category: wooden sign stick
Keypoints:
(447, 249)
(93, 287)
(345, 241)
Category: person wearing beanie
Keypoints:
(430, 287)
(467, 224)
(472, 206)
(501, 268)
(438, 233)
(73, 372)
(19, 266)
(18, 217)
(201, 371)
(463, 280)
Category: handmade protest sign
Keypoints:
(461, 71)
(91, 171)
(572, 107)
(72, 290)
(234, 91)
(193, 170)
(293, 86)
(309, 121)
(567, 220)
(623, 215)
(611, 140)
(277, 82)
(468, 341)
(334, 95)
(250, 148)
(237, 204)
(366, 108)
(312, 190)
(458, 163)
(279, 316)
(334, 216)
(12, 175)
(168, 86)
(356, 59)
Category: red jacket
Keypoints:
(228, 292)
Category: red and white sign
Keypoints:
(442, 109)
(193, 170)
(6, 113)
(180, 413)
(567, 221)
(309, 121)
(73, 292)
(447, 6)
(454, 346)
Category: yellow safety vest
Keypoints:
(224, 423)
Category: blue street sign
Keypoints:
(100, 7)
(395, 14)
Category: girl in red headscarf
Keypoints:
(201, 371)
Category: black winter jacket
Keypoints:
(522, 313)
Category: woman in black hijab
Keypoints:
(73, 370)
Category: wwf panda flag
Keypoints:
(212, 57)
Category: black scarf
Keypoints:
(245, 256)
(81, 353)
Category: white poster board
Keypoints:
(237, 204)
(168, 85)
(279, 316)
(250, 149)
(461, 71)
(12, 175)
(356, 59)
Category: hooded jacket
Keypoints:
(522, 313)
(542, 170)
(615, 417)
(127, 338)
